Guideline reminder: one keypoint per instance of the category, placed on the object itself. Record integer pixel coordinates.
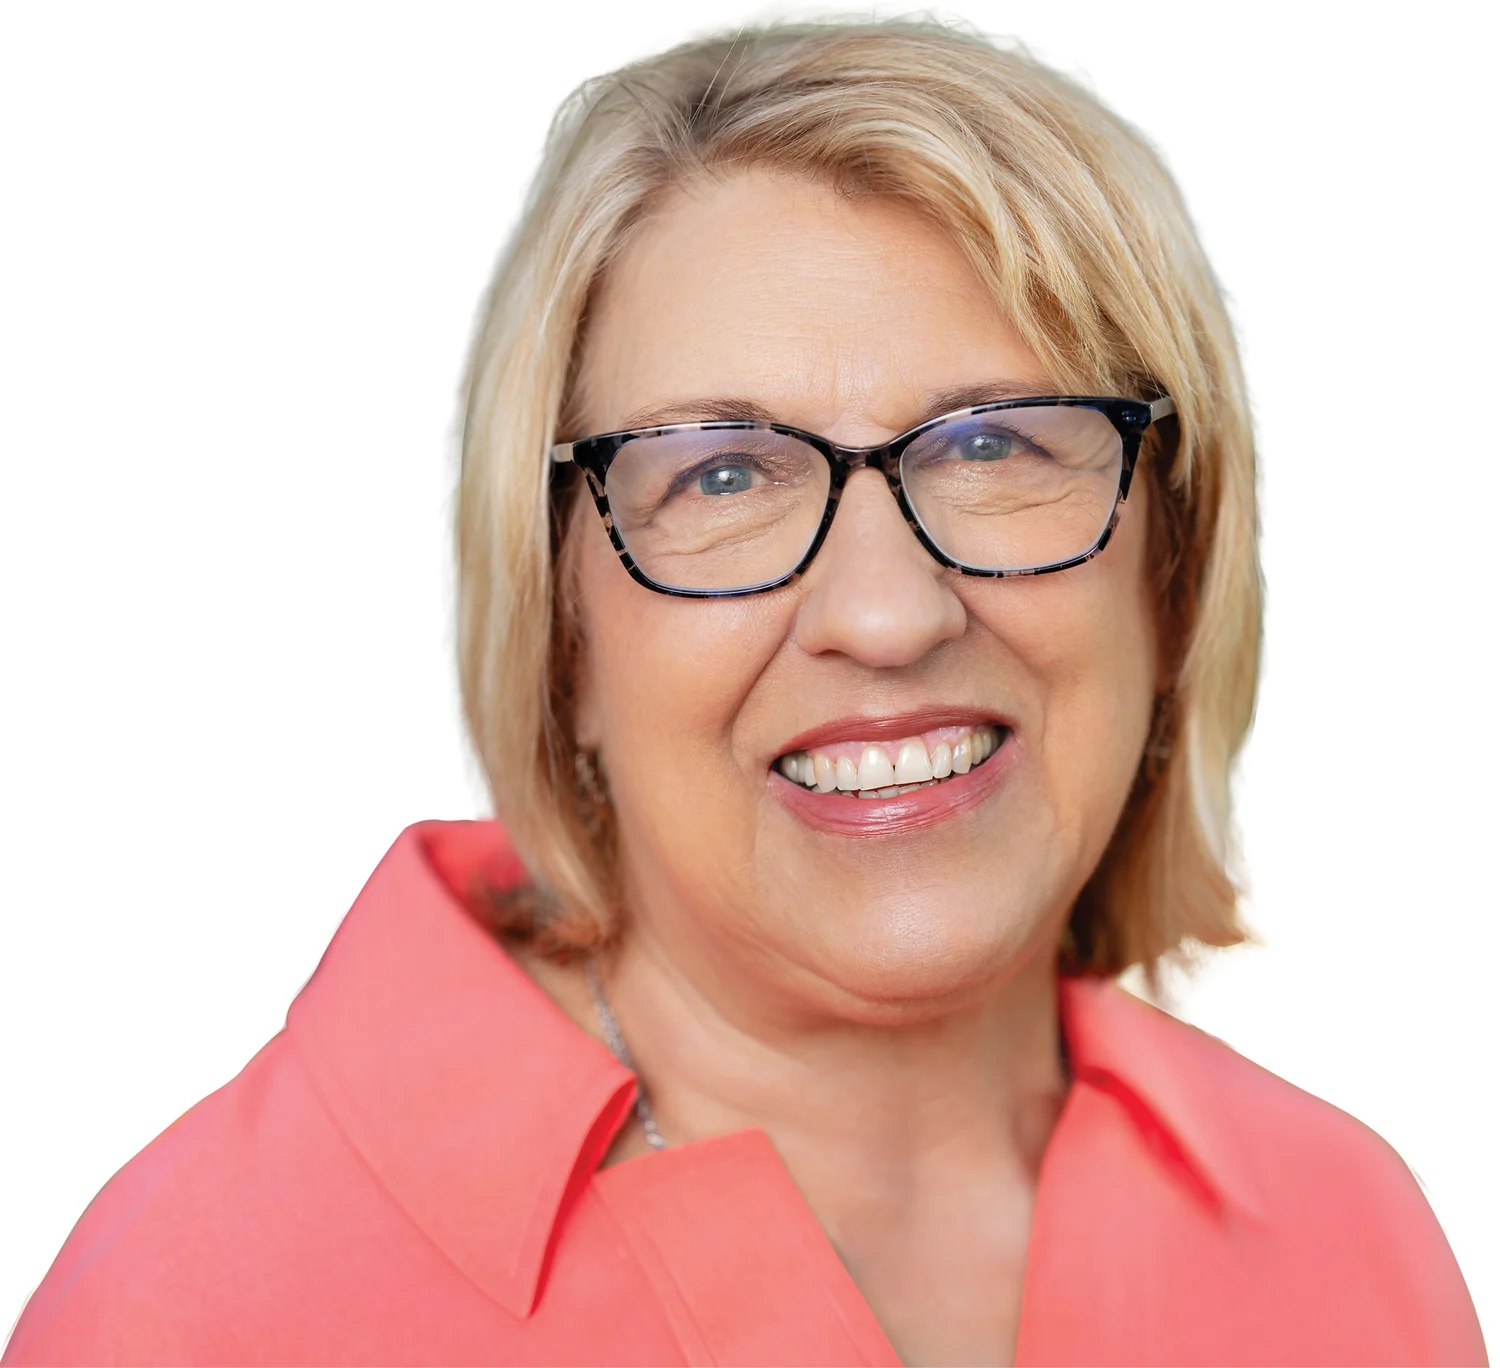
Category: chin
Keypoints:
(917, 954)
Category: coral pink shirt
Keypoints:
(409, 1174)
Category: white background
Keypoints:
(241, 249)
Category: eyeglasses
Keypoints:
(720, 509)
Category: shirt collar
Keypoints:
(477, 1103)
(1169, 1078)
(483, 1110)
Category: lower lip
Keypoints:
(841, 814)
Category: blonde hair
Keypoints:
(1070, 219)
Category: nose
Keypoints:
(874, 593)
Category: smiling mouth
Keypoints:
(856, 769)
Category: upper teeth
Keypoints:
(875, 775)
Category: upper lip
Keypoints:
(890, 728)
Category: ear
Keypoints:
(573, 657)
(1166, 552)
(1165, 576)
(586, 729)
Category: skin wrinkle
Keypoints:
(884, 1009)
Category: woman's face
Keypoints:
(855, 320)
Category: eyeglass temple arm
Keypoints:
(561, 453)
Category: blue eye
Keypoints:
(985, 446)
(726, 479)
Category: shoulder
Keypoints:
(1306, 1154)
(1289, 1142)
(1326, 1190)
(198, 1231)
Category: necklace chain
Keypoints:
(618, 1048)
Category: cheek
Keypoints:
(662, 682)
(1086, 643)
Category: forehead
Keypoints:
(823, 308)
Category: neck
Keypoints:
(913, 1128)
(901, 1089)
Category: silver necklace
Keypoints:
(616, 1042)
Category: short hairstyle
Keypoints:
(1070, 218)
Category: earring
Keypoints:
(593, 796)
(586, 768)
(1158, 752)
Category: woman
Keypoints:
(859, 615)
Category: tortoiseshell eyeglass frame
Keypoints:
(1130, 417)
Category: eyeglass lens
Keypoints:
(735, 509)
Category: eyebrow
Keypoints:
(987, 392)
(720, 409)
(734, 409)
